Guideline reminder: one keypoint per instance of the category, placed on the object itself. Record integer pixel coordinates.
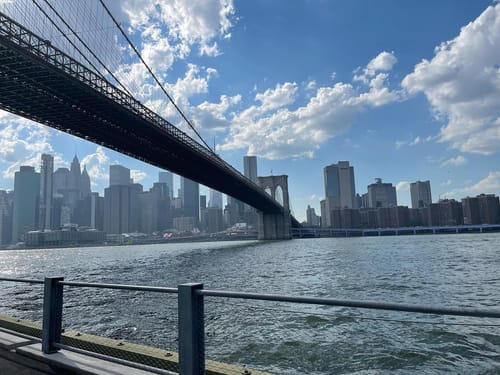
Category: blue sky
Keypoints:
(405, 91)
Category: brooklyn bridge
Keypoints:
(43, 83)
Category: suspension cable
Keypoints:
(83, 43)
(154, 76)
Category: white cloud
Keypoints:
(21, 143)
(403, 186)
(454, 162)
(383, 62)
(488, 185)
(213, 115)
(97, 165)
(137, 175)
(311, 85)
(416, 141)
(462, 84)
(447, 183)
(188, 22)
(274, 130)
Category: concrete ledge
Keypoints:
(146, 355)
(65, 361)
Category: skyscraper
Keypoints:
(250, 171)
(420, 192)
(190, 195)
(215, 199)
(381, 194)
(119, 175)
(84, 183)
(6, 203)
(75, 174)
(167, 178)
(26, 195)
(60, 181)
(121, 208)
(46, 192)
(340, 191)
(250, 167)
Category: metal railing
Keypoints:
(191, 314)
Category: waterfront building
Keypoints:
(185, 224)
(190, 195)
(121, 208)
(6, 205)
(415, 217)
(84, 183)
(155, 213)
(214, 220)
(482, 209)
(60, 180)
(340, 189)
(234, 211)
(420, 192)
(46, 192)
(26, 198)
(312, 219)
(339, 185)
(446, 212)
(368, 218)
(489, 208)
(400, 216)
(73, 193)
(167, 177)
(250, 171)
(250, 167)
(381, 194)
(215, 199)
(119, 175)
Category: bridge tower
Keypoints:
(275, 225)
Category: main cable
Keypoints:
(154, 76)
(83, 43)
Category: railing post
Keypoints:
(52, 314)
(191, 330)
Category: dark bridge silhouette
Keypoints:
(42, 83)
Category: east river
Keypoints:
(450, 270)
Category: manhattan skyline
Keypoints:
(411, 98)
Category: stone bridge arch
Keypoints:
(275, 226)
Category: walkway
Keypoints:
(22, 355)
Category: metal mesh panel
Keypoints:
(135, 326)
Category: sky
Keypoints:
(404, 91)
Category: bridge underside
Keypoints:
(52, 95)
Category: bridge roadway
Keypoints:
(41, 83)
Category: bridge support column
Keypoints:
(275, 225)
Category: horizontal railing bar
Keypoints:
(143, 288)
(29, 281)
(456, 311)
(423, 309)
(118, 361)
